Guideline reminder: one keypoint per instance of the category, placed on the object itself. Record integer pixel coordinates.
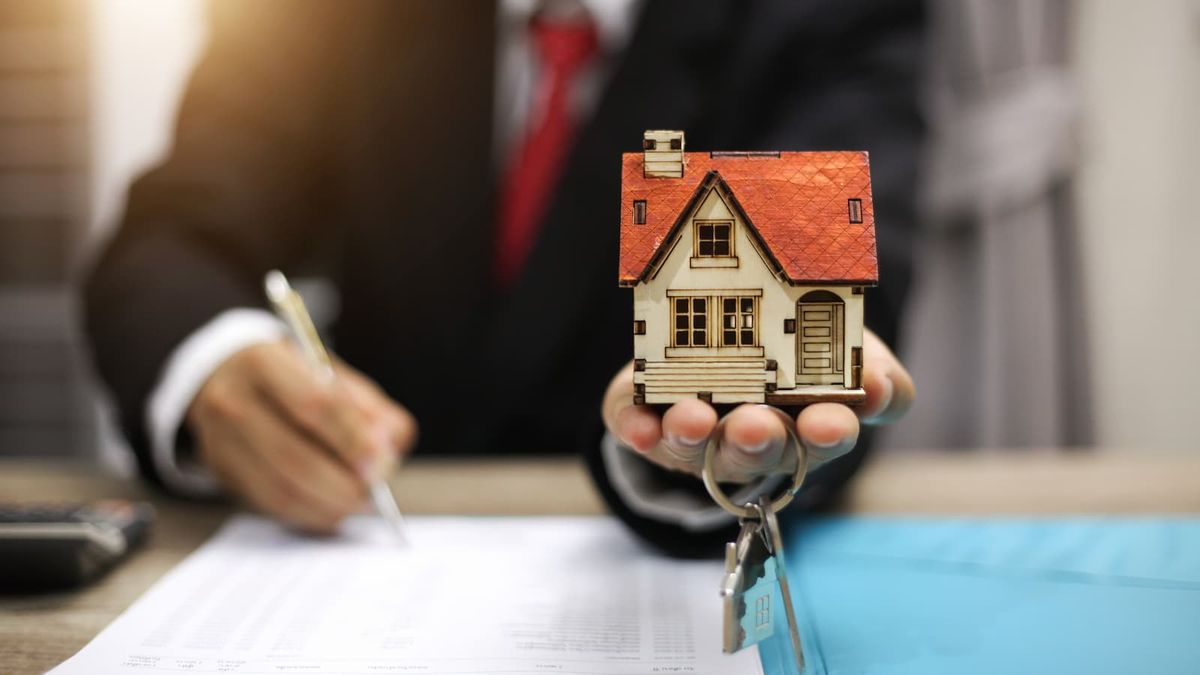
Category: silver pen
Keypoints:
(289, 306)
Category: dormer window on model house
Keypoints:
(748, 270)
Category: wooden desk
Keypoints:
(38, 632)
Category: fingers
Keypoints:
(264, 482)
(677, 441)
(754, 439)
(752, 445)
(618, 396)
(305, 468)
(326, 411)
(890, 389)
(686, 427)
(637, 426)
(754, 442)
(828, 431)
(261, 487)
(394, 422)
(291, 444)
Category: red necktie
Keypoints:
(563, 48)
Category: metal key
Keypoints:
(747, 589)
(773, 535)
(755, 587)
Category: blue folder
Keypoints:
(966, 595)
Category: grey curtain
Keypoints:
(995, 335)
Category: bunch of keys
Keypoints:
(755, 587)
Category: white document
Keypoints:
(472, 595)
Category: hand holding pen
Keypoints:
(292, 443)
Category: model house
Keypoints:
(748, 271)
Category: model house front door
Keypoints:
(820, 340)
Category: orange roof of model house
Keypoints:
(795, 203)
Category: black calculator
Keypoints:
(55, 546)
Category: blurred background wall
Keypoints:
(45, 148)
(1139, 69)
(1031, 101)
(88, 91)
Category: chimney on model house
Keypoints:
(662, 153)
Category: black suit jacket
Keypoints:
(353, 140)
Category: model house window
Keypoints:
(639, 212)
(691, 322)
(855, 208)
(739, 323)
(714, 240)
(676, 143)
(649, 144)
(762, 611)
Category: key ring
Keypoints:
(750, 510)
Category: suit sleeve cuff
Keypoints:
(187, 369)
(634, 480)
